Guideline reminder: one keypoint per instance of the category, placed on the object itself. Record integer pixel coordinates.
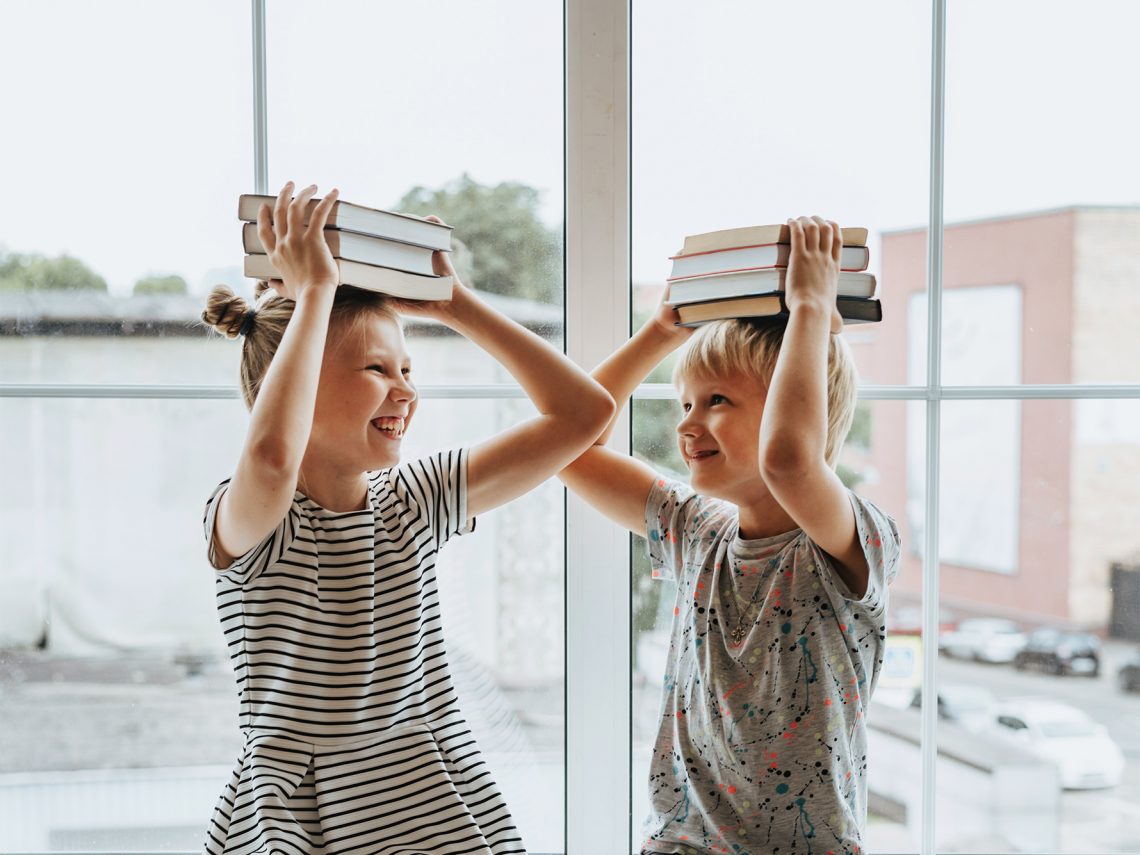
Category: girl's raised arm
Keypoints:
(261, 490)
(573, 408)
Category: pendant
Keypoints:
(738, 635)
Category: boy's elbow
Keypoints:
(782, 461)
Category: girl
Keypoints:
(325, 547)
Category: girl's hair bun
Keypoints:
(225, 311)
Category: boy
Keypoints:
(781, 574)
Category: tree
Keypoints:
(37, 273)
(161, 285)
(512, 252)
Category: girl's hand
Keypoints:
(813, 270)
(437, 309)
(665, 317)
(298, 251)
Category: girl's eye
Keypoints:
(379, 368)
(686, 407)
(717, 399)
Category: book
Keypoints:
(351, 246)
(854, 310)
(753, 282)
(756, 236)
(739, 259)
(357, 218)
(398, 283)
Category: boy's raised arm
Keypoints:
(793, 430)
(616, 484)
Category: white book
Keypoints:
(358, 218)
(351, 246)
(398, 283)
(744, 258)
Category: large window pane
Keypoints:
(1041, 202)
(744, 115)
(125, 154)
(117, 697)
(1038, 748)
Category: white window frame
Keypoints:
(597, 192)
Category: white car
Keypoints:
(1067, 737)
(983, 639)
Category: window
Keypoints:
(120, 412)
(997, 419)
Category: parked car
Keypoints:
(1056, 651)
(1128, 677)
(970, 707)
(1078, 746)
(983, 639)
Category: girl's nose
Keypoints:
(404, 390)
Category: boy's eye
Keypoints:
(379, 368)
(717, 399)
(686, 407)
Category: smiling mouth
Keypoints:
(392, 427)
(701, 455)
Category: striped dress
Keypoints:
(354, 741)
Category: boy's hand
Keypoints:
(298, 251)
(437, 309)
(666, 318)
(813, 270)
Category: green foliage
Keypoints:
(512, 252)
(161, 285)
(860, 433)
(37, 273)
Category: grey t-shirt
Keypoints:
(762, 745)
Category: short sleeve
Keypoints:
(265, 554)
(879, 536)
(435, 489)
(671, 510)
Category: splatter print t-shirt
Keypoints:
(762, 744)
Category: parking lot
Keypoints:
(1104, 820)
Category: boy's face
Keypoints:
(719, 435)
(365, 398)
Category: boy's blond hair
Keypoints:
(751, 348)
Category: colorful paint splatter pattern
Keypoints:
(762, 746)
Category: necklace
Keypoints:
(740, 632)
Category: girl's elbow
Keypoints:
(274, 458)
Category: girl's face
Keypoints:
(719, 435)
(365, 398)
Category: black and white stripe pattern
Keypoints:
(354, 739)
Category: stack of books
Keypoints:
(374, 249)
(741, 273)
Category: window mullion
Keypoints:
(930, 580)
(597, 322)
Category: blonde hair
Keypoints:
(229, 315)
(750, 348)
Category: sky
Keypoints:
(128, 149)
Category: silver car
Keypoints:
(983, 639)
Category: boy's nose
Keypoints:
(688, 427)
